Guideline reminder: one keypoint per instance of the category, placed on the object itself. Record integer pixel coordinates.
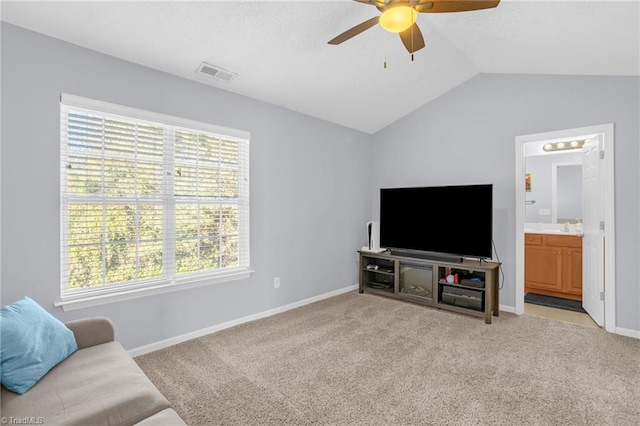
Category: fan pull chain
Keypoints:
(412, 38)
(385, 51)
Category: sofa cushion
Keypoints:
(33, 342)
(166, 417)
(99, 385)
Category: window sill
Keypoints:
(88, 301)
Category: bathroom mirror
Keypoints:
(566, 203)
(554, 193)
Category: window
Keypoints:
(149, 201)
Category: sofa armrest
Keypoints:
(92, 331)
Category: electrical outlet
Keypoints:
(276, 282)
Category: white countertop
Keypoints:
(550, 229)
(552, 232)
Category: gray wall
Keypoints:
(468, 136)
(310, 197)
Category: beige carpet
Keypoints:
(359, 359)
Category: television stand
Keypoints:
(473, 289)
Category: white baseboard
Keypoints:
(628, 332)
(507, 308)
(141, 350)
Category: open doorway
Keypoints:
(598, 266)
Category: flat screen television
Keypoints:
(454, 221)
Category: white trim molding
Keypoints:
(628, 332)
(507, 308)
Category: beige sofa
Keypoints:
(99, 384)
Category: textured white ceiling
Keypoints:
(281, 55)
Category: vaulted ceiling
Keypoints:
(280, 53)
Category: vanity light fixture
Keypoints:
(562, 146)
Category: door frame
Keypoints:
(609, 213)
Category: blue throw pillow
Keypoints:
(32, 342)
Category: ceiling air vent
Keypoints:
(216, 72)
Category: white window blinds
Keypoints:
(207, 208)
(148, 199)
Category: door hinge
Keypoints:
(602, 155)
(602, 225)
(602, 295)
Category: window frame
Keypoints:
(170, 281)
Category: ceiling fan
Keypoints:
(399, 16)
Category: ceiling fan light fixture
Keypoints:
(397, 19)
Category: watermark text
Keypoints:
(22, 420)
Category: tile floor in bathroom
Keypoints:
(559, 314)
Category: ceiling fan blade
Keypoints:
(424, 7)
(355, 30)
(412, 38)
(376, 3)
(443, 6)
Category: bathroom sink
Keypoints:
(549, 231)
(549, 228)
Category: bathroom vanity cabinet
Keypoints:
(553, 265)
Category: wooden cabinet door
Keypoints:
(573, 270)
(543, 268)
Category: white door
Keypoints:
(593, 240)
